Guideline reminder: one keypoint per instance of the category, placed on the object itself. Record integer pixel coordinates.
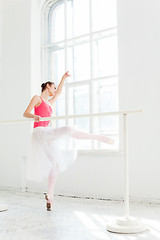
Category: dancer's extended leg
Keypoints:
(80, 134)
(83, 135)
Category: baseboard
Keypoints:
(142, 200)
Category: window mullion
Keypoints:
(44, 40)
(91, 69)
(66, 61)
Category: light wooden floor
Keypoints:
(70, 219)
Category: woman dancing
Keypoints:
(46, 159)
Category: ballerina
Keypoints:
(47, 159)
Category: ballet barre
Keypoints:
(72, 116)
(125, 224)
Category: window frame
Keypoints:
(45, 62)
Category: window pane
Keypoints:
(56, 23)
(59, 110)
(79, 100)
(105, 56)
(105, 95)
(77, 17)
(60, 104)
(106, 100)
(104, 14)
(57, 65)
(82, 125)
(60, 123)
(79, 62)
(108, 126)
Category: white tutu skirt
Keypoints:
(50, 148)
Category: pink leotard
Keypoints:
(43, 110)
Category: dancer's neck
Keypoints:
(45, 96)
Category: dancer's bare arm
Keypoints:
(59, 89)
(31, 105)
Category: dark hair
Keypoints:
(44, 85)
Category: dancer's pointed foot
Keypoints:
(106, 140)
(110, 141)
(48, 203)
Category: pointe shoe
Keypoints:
(110, 141)
(48, 204)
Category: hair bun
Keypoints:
(42, 85)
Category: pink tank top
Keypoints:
(43, 110)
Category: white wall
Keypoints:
(15, 87)
(91, 175)
(139, 71)
(0, 42)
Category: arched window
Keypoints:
(80, 36)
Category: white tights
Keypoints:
(51, 184)
(70, 131)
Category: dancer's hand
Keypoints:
(37, 118)
(66, 75)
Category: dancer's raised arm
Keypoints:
(59, 88)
